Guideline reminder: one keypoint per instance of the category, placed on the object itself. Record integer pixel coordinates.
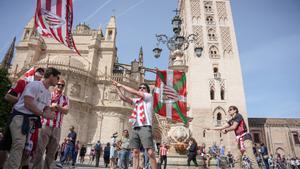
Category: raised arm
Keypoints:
(123, 97)
(219, 128)
(128, 89)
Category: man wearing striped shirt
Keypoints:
(49, 135)
(141, 120)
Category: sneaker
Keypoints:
(59, 165)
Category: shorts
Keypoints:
(113, 152)
(142, 136)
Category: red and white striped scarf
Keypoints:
(138, 111)
(61, 100)
(240, 140)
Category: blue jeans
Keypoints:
(69, 151)
(124, 158)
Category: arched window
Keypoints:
(208, 6)
(212, 34)
(219, 119)
(222, 93)
(216, 70)
(210, 20)
(212, 93)
(213, 52)
(109, 37)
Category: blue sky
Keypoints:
(268, 36)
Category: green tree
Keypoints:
(5, 107)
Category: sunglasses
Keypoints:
(142, 87)
(62, 85)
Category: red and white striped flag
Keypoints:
(29, 75)
(54, 18)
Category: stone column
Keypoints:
(97, 135)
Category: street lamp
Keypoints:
(157, 52)
(198, 51)
(177, 42)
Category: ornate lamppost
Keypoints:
(177, 134)
(177, 43)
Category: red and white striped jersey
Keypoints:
(163, 151)
(62, 101)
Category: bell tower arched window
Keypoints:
(212, 93)
(219, 119)
(222, 93)
(210, 20)
(214, 52)
(208, 6)
(212, 34)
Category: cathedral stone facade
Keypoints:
(280, 135)
(95, 108)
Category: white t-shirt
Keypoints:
(148, 109)
(41, 97)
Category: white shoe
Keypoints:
(59, 165)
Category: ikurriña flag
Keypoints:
(170, 95)
(54, 18)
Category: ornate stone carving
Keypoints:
(226, 39)
(177, 58)
(221, 10)
(198, 30)
(113, 95)
(179, 134)
(222, 83)
(195, 7)
(211, 83)
(75, 90)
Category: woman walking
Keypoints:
(192, 152)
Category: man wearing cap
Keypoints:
(141, 120)
(49, 135)
(33, 103)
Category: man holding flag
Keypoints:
(141, 120)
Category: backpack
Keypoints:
(98, 147)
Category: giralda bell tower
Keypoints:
(214, 80)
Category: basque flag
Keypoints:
(170, 95)
(54, 18)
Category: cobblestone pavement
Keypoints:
(81, 166)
